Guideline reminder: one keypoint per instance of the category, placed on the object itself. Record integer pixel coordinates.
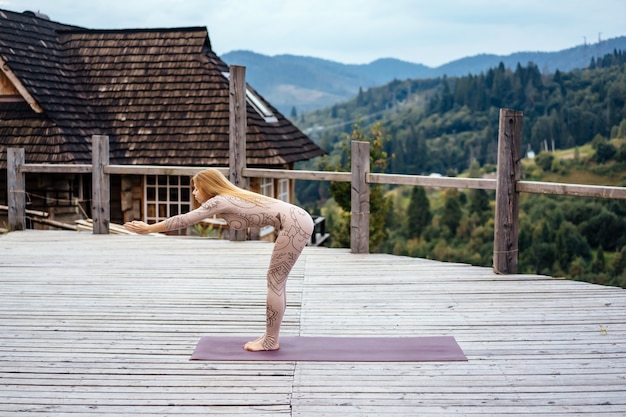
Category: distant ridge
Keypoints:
(308, 83)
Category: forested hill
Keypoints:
(449, 125)
(441, 125)
(306, 84)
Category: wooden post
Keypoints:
(360, 198)
(237, 135)
(101, 186)
(16, 189)
(505, 245)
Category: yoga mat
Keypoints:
(334, 349)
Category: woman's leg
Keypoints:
(287, 249)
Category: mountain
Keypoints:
(307, 83)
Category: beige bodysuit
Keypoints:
(295, 227)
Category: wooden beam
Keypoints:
(157, 170)
(360, 198)
(101, 193)
(16, 189)
(428, 181)
(505, 245)
(237, 124)
(54, 223)
(298, 174)
(37, 213)
(19, 86)
(58, 168)
(578, 190)
(237, 135)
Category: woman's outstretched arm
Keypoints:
(180, 221)
(144, 228)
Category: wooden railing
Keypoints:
(507, 184)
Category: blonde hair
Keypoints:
(212, 182)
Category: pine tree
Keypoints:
(599, 264)
(452, 214)
(479, 204)
(418, 213)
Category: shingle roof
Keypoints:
(160, 94)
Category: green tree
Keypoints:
(539, 254)
(452, 214)
(570, 244)
(418, 212)
(599, 264)
(621, 153)
(544, 160)
(621, 130)
(479, 204)
(604, 152)
(618, 265)
(606, 229)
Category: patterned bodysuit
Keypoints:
(295, 227)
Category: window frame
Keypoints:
(267, 183)
(169, 195)
(284, 190)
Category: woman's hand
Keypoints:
(137, 226)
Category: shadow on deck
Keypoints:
(104, 325)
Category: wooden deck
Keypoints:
(103, 325)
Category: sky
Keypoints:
(429, 32)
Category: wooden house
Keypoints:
(162, 97)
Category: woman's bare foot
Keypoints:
(263, 343)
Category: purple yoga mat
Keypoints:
(334, 349)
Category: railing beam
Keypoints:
(16, 189)
(237, 135)
(360, 198)
(101, 186)
(505, 244)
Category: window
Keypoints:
(257, 104)
(267, 187)
(165, 196)
(260, 107)
(283, 190)
(56, 190)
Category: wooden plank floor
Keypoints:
(104, 326)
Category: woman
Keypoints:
(214, 194)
